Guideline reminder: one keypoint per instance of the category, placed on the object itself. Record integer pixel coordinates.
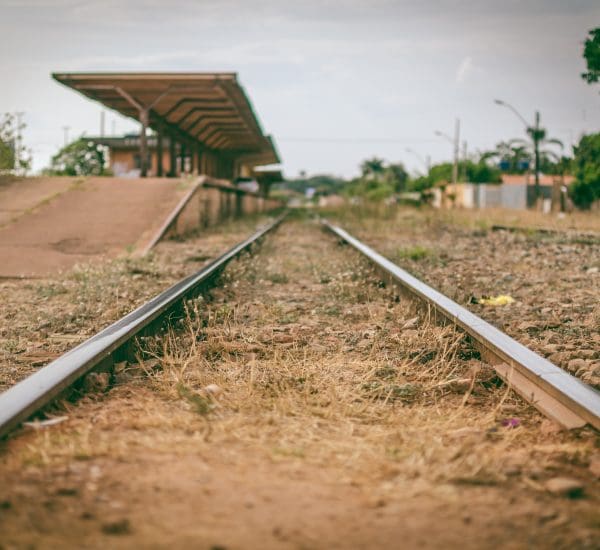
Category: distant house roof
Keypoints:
(545, 179)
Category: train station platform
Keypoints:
(50, 224)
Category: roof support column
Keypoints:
(159, 153)
(144, 118)
(172, 157)
(182, 154)
(199, 159)
(194, 158)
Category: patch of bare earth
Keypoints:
(42, 318)
(553, 278)
(302, 405)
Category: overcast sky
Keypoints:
(333, 81)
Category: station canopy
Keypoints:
(210, 109)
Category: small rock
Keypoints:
(595, 465)
(587, 353)
(212, 390)
(118, 527)
(67, 491)
(565, 487)
(411, 323)
(575, 364)
(96, 382)
(549, 427)
(550, 348)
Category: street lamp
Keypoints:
(426, 161)
(456, 144)
(536, 134)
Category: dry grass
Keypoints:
(328, 368)
(317, 383)
(553, 278)
(40, 319)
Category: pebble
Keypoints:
(213, 390)
(565, 487)
(595, 465)
(575, 364)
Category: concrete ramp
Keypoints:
(50, 224)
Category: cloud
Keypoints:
(465, 67)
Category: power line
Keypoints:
(356, 140)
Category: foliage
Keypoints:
(378, 181)
(517, 156)
(474, 171)
(9, 132)
(591, 54)
(81, 157)
(513, 156)
(586, 167)
(323, 184)
(372, 168)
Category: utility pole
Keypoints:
(456, 151)
(102, 122)
(464, 162)
(536, 136)
(18, 140)
(456, 146)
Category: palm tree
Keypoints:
(372, 168)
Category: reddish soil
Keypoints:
(90, 218)
(336, 428)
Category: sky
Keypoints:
(334, 82)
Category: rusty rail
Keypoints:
(28, 396)
(554, 392)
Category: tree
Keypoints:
(586, 169)
(481, 172)
(396, 176)
(512, 156)
(81, 157)
(372, 168)
(9, 143)
(591, 54)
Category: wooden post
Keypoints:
(159, 153)
(173, 157)
(143, 143)
(193, 157)
(199, 159)
(182, 157)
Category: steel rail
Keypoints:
(554, 392)
(31, 394)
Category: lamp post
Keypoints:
(426, 161)
(456, 144)
(536, 134)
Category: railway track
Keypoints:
(111, 345)
(554, 392)
(558, 395)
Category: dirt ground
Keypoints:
(554, 278)
(55, 226)
(42, 318)
(302, 406)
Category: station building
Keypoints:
(200, 123)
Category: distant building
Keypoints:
(124, 155)
(516, 191)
